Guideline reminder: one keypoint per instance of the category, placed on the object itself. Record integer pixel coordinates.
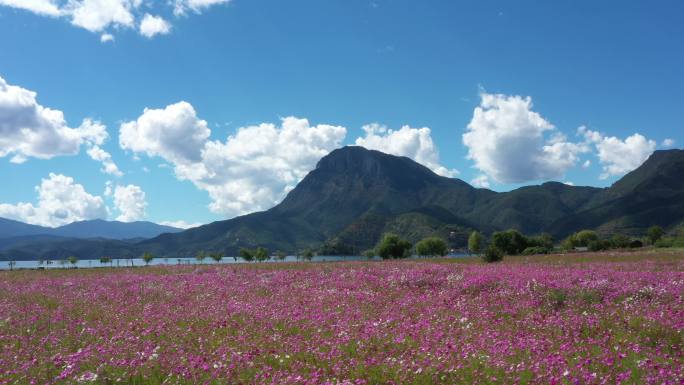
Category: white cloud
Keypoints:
(586, 164)
(511, 143)
(252, 170)
(668, 143)
(181, 7)
(108, 165)
(173, 133)
(103, 16)
(154, 25)
(180, 224)
(130, 201)
(618, 157)
(568, 183)
(28, 129)
(60, 201)
(415, 143)
(98, 15)
(106, 37)
(41, 7)
(480, 181)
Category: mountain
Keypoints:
(653, 194)
(99, 228)
(11, 228)
(354, 195)
(94, 237)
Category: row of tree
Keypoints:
(512, 242)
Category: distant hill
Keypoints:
(25, 239)
(354, 195)
(99, 228)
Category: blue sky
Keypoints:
(536, 72)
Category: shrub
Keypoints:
(392, 246)
(598, 245)
(635, 244)
(492, 254)
(665, 242)
(620, 241)
(369, 254)
(535, 250)
(432, 247)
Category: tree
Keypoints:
(391, 246)
(432, 247)
(261, 254)
(654, 234)
(200, 256)
(492, 254)
(217, 257)
(370, 254)
(510, 242)
(147, 257)
(307, 254)
(584, 237)
(246, 254)
(72, 260)
(475, 242)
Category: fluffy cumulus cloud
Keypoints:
(251, 170)
(415, 143)
(511, 143)
(174, 133)
(130, 202)
(28, 129)
(105, 16)
(617, 156)
(668, 143)
(151, 26)
(60, 201)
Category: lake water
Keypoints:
(92, 263)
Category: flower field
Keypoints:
(408, 322)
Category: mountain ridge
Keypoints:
(354, 195)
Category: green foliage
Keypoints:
(217, 257)
(369, 253)
(620, 241)
(104, 260)
(492, 254)
(543, 240)
(534, 250)
(475, 242)
(598, 245)
(246, 254)
(200, 256)
(510, 242)
(72, 260)
(261, 254)
(654, 234)
(432, 247)
(579, 239)
(308, 254)
(391, 246)
(147, 257)
(584, 237)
